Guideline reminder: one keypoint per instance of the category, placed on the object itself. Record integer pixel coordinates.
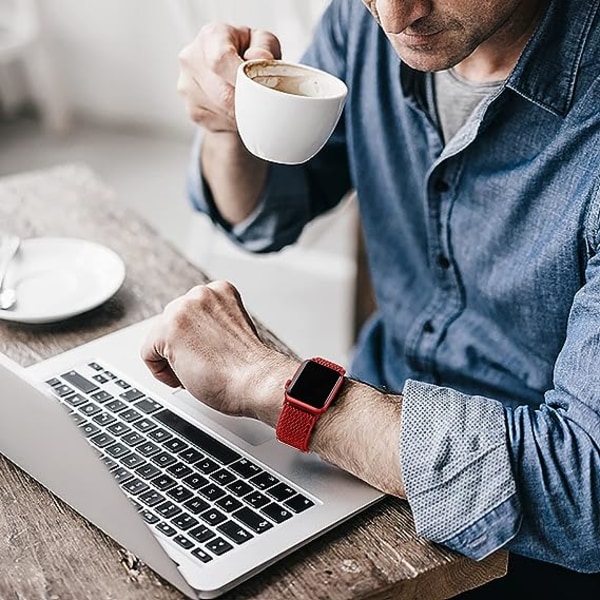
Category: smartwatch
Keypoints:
(308, 395)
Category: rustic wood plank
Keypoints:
(49, 552)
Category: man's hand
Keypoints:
(207, 342)
(208, 69)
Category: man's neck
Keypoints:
(495, 58)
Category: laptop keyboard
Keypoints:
(201, 493)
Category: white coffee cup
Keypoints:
(285, 112)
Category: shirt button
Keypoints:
(428, 327)
(441, 186)
(443, 261)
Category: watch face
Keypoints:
(313, 384)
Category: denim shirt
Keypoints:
(484, 260)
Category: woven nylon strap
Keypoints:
(295, 425)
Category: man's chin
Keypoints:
(425, 60)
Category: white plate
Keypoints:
(57, 278)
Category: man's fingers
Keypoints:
(153, 355)
(262, 45)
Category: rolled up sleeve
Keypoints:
(457, 470)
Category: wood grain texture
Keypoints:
(48, 552)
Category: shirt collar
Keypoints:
(547, 69)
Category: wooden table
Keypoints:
(47, 551)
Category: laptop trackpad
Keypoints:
(250, 430)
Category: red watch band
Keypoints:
(295, 423)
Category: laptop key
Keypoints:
(183, 542)
(79, 419)
(130, 415)
(89, 409)
(240, 488)
(264, 481)
(75, 399)
(167, 509)
(199, 438)
(202, 555)
(179, 470)
(281, 492)
(148, 449)
(196, 505)
(235, 532)
(299, 503)
(135, 486)
(163, 459)
(184, 521)
(62, 390)
(81, 383)
(213, 516)
(149, 517)
(131, 395)
(89, 429)
(179, 493)
(117, 450)
(201, 534)
(104, 419)
(195, 481)
(277, 513)
(175, 445)
(160, 435)
(102, 439)
(121, 475)
(256, 499)
(147, 471)
(162, 482)
(53, 382)
(115, 406)
(223, 476)
(151, 497)
(253, 520)
(133, 460)
(246, 468)
(166, 529)
(228, 503)
(148, 406)
(102, 396)
(190, 456)
(206, 466)
(119, 428)
(144, 425)
(219, 546)
(212, 491)
(133, 438)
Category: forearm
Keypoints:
(359, 432)
(235, 177)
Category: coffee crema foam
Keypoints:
(296, 85)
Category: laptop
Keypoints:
(204, 499)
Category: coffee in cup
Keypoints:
(285, 112)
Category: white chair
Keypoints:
(22, 47)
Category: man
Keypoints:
(471, 134)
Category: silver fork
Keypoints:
(8, 248)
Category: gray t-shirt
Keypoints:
(457, 97)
